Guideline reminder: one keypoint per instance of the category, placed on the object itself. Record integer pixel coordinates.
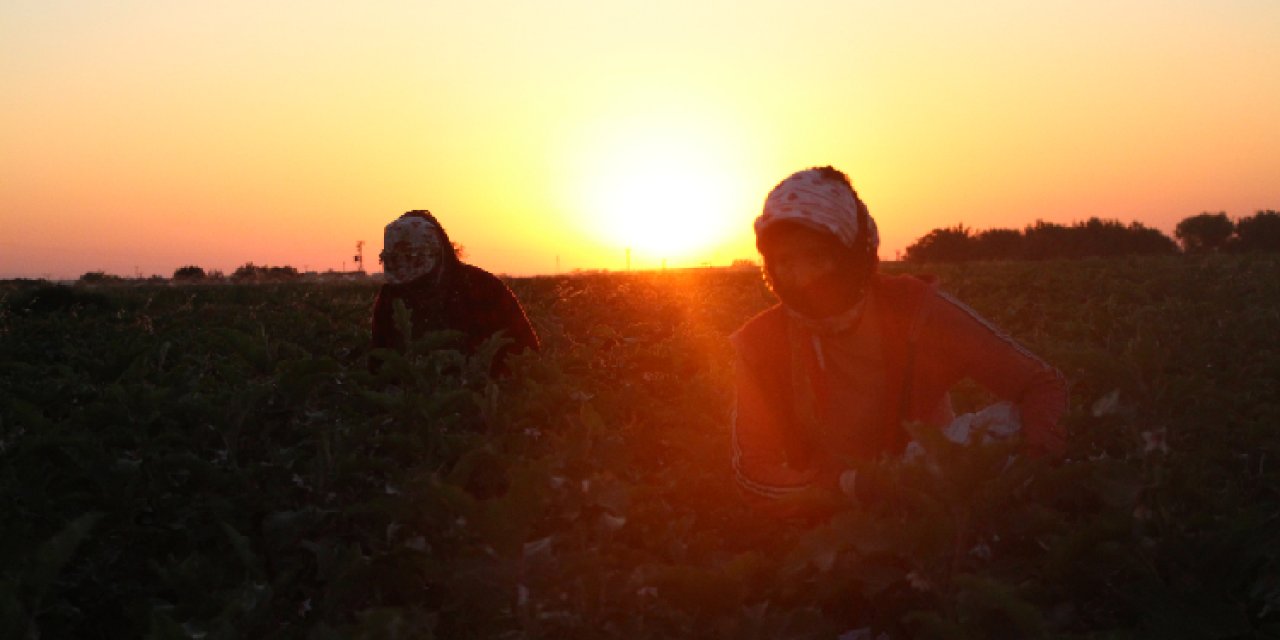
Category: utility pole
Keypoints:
(359, 257)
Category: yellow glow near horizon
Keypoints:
(665, 196)
(143, 136)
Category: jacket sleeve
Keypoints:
(517, 324)
(504, 313)
(961, 343)
(764, 475)
(382, 328)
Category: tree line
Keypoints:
(1095, 237)
(248, 272)
(1202, 233)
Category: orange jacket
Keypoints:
(809, 404)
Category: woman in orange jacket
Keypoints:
(831, 374)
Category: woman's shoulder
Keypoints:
(764, 327)
(904, 295)
(905, 285)
(480, 283)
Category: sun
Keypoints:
(664, 195)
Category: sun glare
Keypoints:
(665, 197)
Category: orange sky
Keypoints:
(137, 137)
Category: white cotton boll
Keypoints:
(981, 551)
(539, 547)
(995, 422)
(1107, 405)
(1155, 441)
(611, 522)
(998, 421)
(958, 430)
(919, 582)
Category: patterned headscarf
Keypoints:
(821, 203)
(411, 248)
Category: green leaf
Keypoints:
(54, 554)
(244, 552)
(505, 522)
(25, 416)
(990, 608)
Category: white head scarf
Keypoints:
(820, 203)
(410, 249)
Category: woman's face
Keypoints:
(411, 250)
(406, 263)
(804, 265)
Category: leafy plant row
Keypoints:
(221, 462)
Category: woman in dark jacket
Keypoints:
(441, 292)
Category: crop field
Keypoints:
(217, 461)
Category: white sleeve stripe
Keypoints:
(772, 491)
(993, 329)
(768, 491)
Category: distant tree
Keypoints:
(1043, 240)
(1259, 232)
(743, 264)
(954, 244)
(1047, 240)
(1204, 233)
(98, 277)
(1106, 238)
(190, 272)
(1000, 244)
(1145, 240)
(249, 272)
(1098, 237)
(246, 271)
(281, 273)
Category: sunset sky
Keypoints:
(138, 137)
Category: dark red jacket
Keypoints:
(467, 299)
(911, 345)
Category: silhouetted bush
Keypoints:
(249, 272)
(1204, 233)
(1259, 232)
(190, 272)
(1043, 240)
(1000, 244)
(952, 244)
(99, 277)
